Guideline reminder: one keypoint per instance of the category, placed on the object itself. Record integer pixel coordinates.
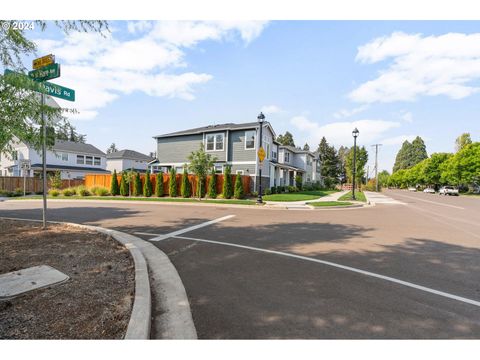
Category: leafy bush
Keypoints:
(159, 185)
(239, 188)
(147, 185)
(212, 185)
(124, 190)
(53, 192)
(273, 190)
(68, 192)
(227, 183)
(268, 192)
(83, 191)
(298, 182)
(137, 185)
(56, 180)
(371, 186)
(185, 189)
(114, 190)
(292, 189)
(172, 183)
(101, 191)
(280, 189)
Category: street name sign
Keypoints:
(261, 154)
(48, 72)
(46, 87)
(43, 61)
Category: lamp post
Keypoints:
(260, 119)
(355, 133)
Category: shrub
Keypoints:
(201, 188)
(280, 189)
(101, 191)
(68, 192)
(268, 192)
(292, 189)
(123, 186)
(137, 185)
(56, 180)
(83, 191)
(239, 188)
(147, 185)
(54, 192)
(227, 183)
(159, 185)
(212, 185)
(114, 190)
(185, 189)
(172, 183)
(298, 182)
(273, 190)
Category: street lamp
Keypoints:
(260, 119)
(355, 133)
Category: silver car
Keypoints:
(448, 190)
(429, 190)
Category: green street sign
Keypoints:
(48, 72)
(45, 87)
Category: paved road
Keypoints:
(403, 270)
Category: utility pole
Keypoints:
(376, 165)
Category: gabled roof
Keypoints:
(295, 150)
(129, 154)
(213, 128)
(62, 145)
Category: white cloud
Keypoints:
(271, 109)
(407, 117)
(420, 66)
(340, 133)
(398, 140)
(102, 68)
(344, 113)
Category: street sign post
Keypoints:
(48, 72)
(48, 88)
(261, 154)
(25, 166)
(43, 61)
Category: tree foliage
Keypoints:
(199, 164)
(212, 184)
(147, 185)
(360, 162)
(462, 141)
(137, 185)
(238, 193)
(185, 189)
(159, 185)
(114, 189)
(306, 147)
(172, 183)
(112, 148)
(286, 139)
(410, 154)
(227, 190)
(124, 190)
(329, 163)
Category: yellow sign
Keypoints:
(43, 61)
(261, 154)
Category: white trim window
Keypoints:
(88, 160)
(64, 156)
(287, 156)
(250, 137)
(218, 169)
(214, 142)
(97, 161)
(80, 160)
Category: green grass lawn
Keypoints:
(298, 196)
(360, 196)
(330, 203)
(162, 199)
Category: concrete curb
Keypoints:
(368, 200)
(140, 318)
(336, 207)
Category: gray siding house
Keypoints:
(235, 145)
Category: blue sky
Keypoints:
(392, 80)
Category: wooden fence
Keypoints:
(33, 184)
(92, 180)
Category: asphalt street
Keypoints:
(406, 268)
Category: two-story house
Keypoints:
(127, 160)
(236, 145)
(72, 159)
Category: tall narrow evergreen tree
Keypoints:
(227, 190)
(137, 185)
(212, 185)
(159, 185)
(147, 185)
(185, 189)
(123, 185)
(238, 187)
(114, 190)
(172, 183)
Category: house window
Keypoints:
(88, 160)
(215, 142)
(15, 155)
(64, 157)
(96, 161)
(250, 139)
(274, 154)
(267, 150)
(287, 157)
(80, 159)
(239, 172)
(218, 169)
(179, 169)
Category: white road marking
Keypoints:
(432, 202)
(145, 233)
(191, 228)
(359, 271)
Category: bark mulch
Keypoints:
(94, 304)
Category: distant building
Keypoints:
(237, 145)
(127, 160)
(72, 159)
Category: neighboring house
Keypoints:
(294, 162)
(72, 159)
(127, 160)
(235, 145)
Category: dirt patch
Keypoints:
(94, 304)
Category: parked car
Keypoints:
(448, 190)
(429, 190)
(411, 188)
